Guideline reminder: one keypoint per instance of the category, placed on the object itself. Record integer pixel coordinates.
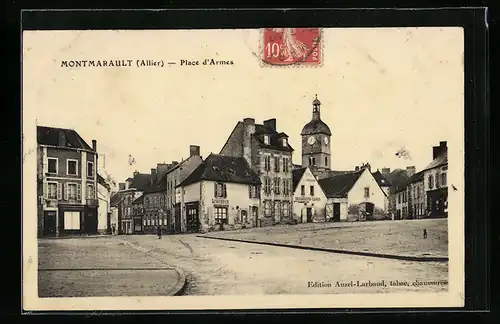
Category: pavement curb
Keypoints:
(358, 253)
(181, 285)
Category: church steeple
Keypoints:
(316, 109)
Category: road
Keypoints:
(215, 267)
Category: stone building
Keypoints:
(417, 202)
(66, 183)
(223, 192)
(176, 222)
(309, 200)
(269, 154)
(436, 182)
(129, 191)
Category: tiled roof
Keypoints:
(398, 179)
(381, 180)
(115, 199)
(223, 168)
(439, 161)
(159, 185)
(338, 186)
(274, 138)
(138, 201)
(419, 176)
(51, 136)
(297, 175)
(140, 181)
(316, 126)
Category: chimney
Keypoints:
(62, 138)
(248, 131)
(410, 170)
(386, 171)
(270, 123)
(121, 186)
(438, 150)
(136, 173)
(94, 145)
(162, 169)
(194, 150)
(153, 175)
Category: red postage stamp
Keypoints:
(292, 46)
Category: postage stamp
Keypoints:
(292, 47)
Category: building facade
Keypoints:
(309, 200)
(354, 195)
(176, 222)
(222, 193)
(269, 155)
(436, 182)
(416, 196)
(104, 208)
(130, 190)
(66, 183)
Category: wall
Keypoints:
(317, 202)
(433, 173)
(102, 211)
(319, 150)
(356, 194)
(234, 144)
(155, 211)
(236, 201)
(344, 207)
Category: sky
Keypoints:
(382, 90)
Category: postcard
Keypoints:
(262, 168)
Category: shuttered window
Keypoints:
(220, 190)
(52, 190)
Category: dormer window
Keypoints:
(284, 142)
(266, 139)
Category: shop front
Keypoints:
(437, 203)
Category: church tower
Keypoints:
(316, 135)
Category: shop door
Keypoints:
(90, 226)
(49, 223)
(309, 214)
(336, 212)
(192, 223)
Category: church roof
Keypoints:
(315, 127)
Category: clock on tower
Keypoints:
(316, 140)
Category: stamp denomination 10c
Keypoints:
(292, 46)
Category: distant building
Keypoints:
(129, 191)
(223, 192)
(309, 200)
(353, 195)
(417, 203)
(384, 184)
(399, 180)
(66, 183)
(176, 221)
(269, 155)
(436, 182)
(104, 209)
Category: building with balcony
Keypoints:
(66, 183)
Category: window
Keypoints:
(302, 190)
(311, 190)
(367, 192)
(267, 208)
(277, 210)
(276, 164)
(52, 190)
(285, 164)
(71, 220)
(286, 186)
(285, 142)
(72, 191)
(326, 161)
(431, 182)
(438, 177)
(90, 169)
(277, 183)
(220, 190)
(72, 167)
(267, 162)
(267, 186)
(312, 161)
(52, 165)
(90, 191)
(253, 191)
(399, 198)
(266, 139)
(221, 215)
(286, 209)
(443, 179)
(244, 216)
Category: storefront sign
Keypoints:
(306, 199)
(224, 202)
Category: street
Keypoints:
(214, 267)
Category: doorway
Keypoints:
(192, 222)
(336, 212)
(49, 223)
(309, 214)
(255, 215)
(177, 220)
(90, 225)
